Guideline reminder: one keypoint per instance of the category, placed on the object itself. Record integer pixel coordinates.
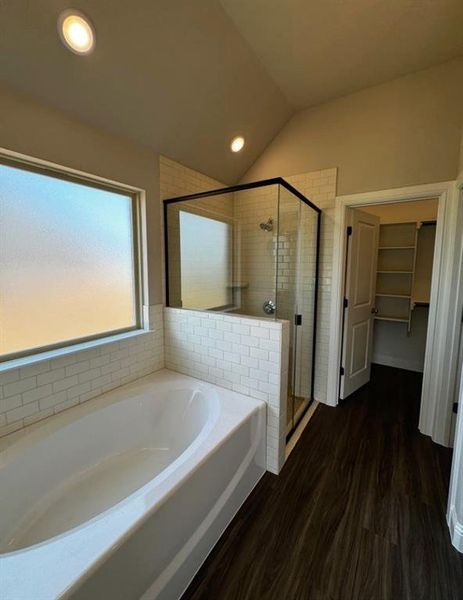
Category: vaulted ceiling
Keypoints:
(184, 76)
(175, 75)
(323, 49)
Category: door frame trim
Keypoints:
(454, 509)
(441, 347)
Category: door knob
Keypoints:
(374, 311)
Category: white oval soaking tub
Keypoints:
(124, 496)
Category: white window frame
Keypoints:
(138, 195)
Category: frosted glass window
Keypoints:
(67, 267)
(205, 265)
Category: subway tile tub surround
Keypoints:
(243, 354)
(34, 392)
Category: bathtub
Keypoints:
(124, 496)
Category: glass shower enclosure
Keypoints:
(250, 250)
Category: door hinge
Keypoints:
(455, 407)
(342, 370)
(349, 230)
(298, 319)
(346, 302)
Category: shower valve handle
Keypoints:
(269, 307)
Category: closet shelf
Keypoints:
(398, 292)
(388, 318)
(423, 302)
(396, 248)
(393, 296)
(392, 271)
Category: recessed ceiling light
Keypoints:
(76, 31)
(237, 143)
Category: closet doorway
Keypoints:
(440, 362)
(388, 274)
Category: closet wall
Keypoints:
(406, 250)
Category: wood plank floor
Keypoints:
(358, 512)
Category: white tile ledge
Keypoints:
(261, 321)
(75, 348)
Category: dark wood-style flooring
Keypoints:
(358, 512)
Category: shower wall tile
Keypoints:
(246, 355)
(255, 248)
(178, 180)
(35, 392)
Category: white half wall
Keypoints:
(243, 354)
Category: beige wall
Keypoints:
(404, 212)
(403, 132)
(35, 130)
(461, 155)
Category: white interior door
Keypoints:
(360, 288)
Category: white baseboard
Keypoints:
(456, 529)
(399, 363)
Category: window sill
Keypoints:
(26, 361)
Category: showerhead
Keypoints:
(267, 226)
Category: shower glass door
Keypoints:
(296, 297)
(289, 210)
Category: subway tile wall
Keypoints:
(177, 180)
(255, 257)
(35, 392)
(243, 354)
